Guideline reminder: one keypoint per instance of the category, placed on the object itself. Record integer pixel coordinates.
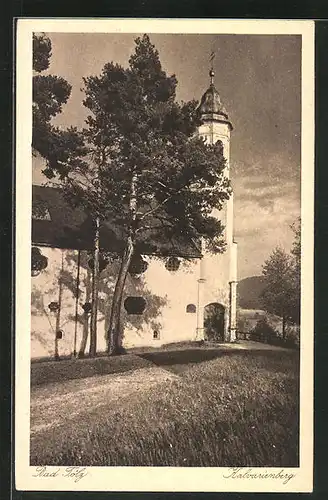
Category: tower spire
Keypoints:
(211, 107)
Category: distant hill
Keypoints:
(249, 291)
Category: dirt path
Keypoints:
(251, 345)
(50, 406)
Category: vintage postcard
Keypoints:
(164, 255)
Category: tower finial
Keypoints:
(212, 56)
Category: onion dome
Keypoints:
(211, 107)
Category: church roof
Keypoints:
(211, 107)
(56, 224)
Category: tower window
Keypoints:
(191, 308)
(156, 335)
(172, 264)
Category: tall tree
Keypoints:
(61, 149)
(277, 271)
(296, 250)
(296, 253)
(281, 293)
(148, 172)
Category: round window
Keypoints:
(87, 307)
(135, 305)
(172, 264)
(138, 265)
(53, 306)
(38, 261)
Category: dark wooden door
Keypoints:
(214, 322)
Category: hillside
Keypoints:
(249, 291)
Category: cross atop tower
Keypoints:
(212, 57)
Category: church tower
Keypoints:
(218, 275)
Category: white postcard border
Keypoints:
(158, 478)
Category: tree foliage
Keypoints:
(296, 248)
(61, 149)
(281, 294)
(296, 253)
(41, 52)
(138, 129)
(147, 170)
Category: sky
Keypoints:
(259, 81)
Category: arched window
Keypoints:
(172, 264)
(191, 308)
(156, 335)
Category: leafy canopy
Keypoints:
(61, 149)
(281, 294)
(138, 133)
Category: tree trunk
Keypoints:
(84, 337)
(120, 326)
(77, 300)
(284, 327)
(60, 293)
(85, 331)
(115, 316)
(94, 298)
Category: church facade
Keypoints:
(190, 296)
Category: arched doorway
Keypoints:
(214, 322)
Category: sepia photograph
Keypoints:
(164, 190)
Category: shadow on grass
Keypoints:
(180, 360)
(175, 361)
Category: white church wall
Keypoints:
(167, 295)
(45, 289)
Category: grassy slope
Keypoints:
(239, 409)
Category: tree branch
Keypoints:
(153, 210)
